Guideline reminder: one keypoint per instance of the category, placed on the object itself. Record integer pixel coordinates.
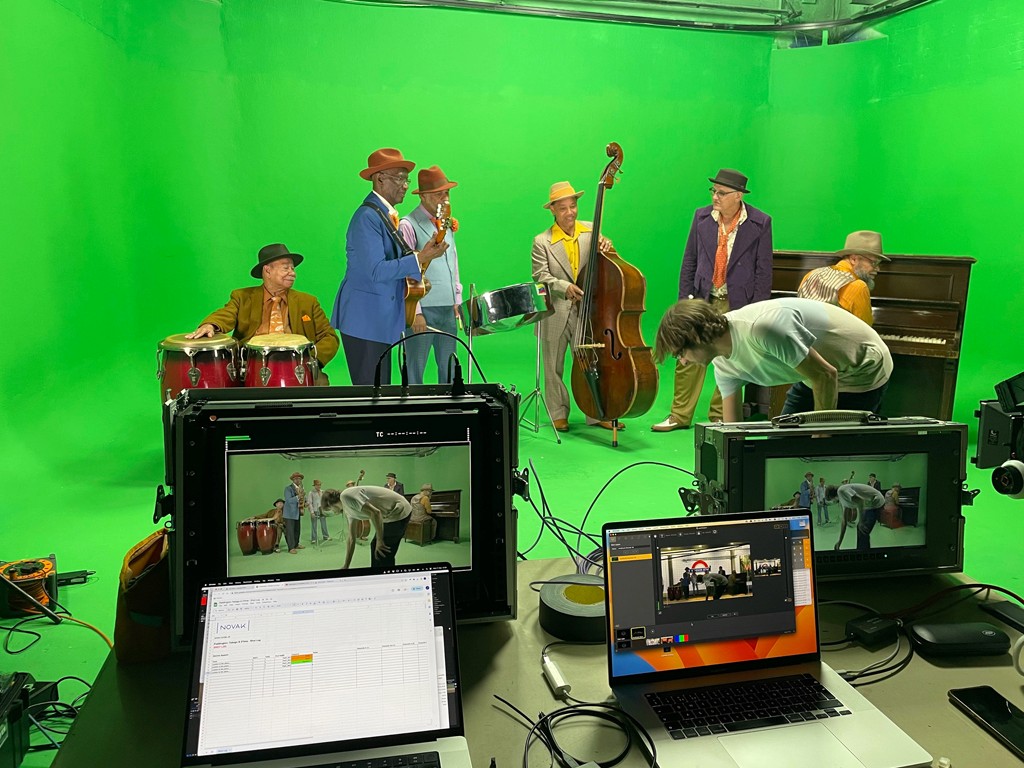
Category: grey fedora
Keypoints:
(864, 242)
(273, 252)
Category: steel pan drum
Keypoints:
(505, 309)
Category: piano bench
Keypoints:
(420, 532)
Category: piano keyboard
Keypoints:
(912, 339)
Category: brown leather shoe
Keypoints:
(608, 425)
(561, 425)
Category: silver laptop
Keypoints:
(713, 647)
(318, 669)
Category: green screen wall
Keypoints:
(148, 150)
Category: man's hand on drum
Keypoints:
(206, 329)
(573, 293)
(419, 324)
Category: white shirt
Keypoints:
(771, 338)
(859, 496)
(393, 506)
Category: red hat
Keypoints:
(432, 179)
(383, 159)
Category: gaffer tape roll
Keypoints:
(575, 611)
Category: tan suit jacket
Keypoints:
(551, 266)
(243, 314)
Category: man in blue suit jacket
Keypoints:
(728, 263)
(370, 307)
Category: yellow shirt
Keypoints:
(572, 244)
(854, 297)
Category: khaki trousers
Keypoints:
(689, 382)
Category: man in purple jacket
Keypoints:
(728, 263)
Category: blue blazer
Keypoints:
(370, 302)
(748, 277)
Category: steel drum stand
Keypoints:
(537, 398)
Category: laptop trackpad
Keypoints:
(805, 746)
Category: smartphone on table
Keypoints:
(991, 710)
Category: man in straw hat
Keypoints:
(831, 358)
(438, 309)
(369, 309)
(848, 284)
(274, 307)
(559, 257)
(727, 263)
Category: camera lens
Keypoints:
(1009, 479)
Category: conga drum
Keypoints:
(279, 360)
(245, 530)
(196, 363)
(266, 535)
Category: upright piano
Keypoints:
(919, 304)
(446, 509)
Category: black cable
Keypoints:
(469, 352)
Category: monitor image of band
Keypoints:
(292, 511)
(857, 502)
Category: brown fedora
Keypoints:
(432, 179)
(559, 191)
(731, 178)
(273, 252)
(383, 159)
(864, 242)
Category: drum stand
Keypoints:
(537, 398)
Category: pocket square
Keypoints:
(306, 319)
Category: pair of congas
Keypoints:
(270, 360)
(257, 535)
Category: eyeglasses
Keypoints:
(722, 193)
(869, 259)
(402, 181)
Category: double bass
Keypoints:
(613, 371)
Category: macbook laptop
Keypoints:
(713, 647)
(322, 669)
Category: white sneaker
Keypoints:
(668, 425)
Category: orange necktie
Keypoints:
(276, 315)
(394, 219)
(722, 253)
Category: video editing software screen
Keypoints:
(256, 478)
(708, 591)
(899, 520)
(296, 665)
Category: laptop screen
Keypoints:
(316, 663)
(709, 594)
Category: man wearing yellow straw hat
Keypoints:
(559, 257)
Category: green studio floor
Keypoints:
(91, 526)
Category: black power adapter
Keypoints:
(872, 631)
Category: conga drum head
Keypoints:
(506, 309)
(279, 360)
(184, 363)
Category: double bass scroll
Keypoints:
(613, 371)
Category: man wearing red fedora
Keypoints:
(369, 309)
(437, 310)
(849, 283)
(274, 307)
(559, 256)
(727, 262)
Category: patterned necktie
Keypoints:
(276, 315)
(722, 253)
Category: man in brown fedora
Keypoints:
(727, 262)
(369, 309)
(274, 307)
(848, 284)
(438, 309)
(559, 257)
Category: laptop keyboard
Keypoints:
(719, 709)
(418, 760)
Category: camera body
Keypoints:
(1001, 445)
